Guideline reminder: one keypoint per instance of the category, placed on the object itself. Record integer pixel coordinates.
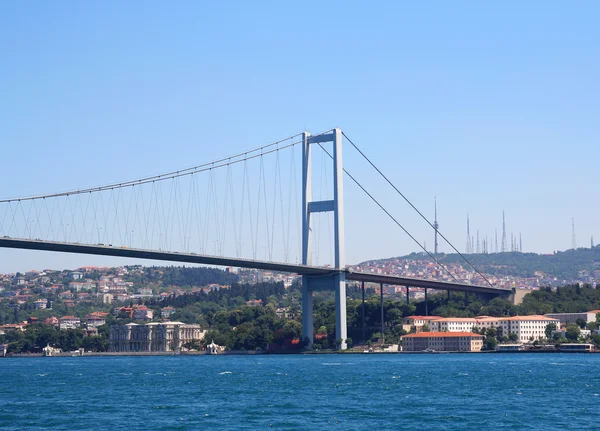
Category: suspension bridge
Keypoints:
(225, 213)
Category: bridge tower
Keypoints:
(337, 280)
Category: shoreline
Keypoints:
(263, 352)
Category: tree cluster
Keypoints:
(36, 337)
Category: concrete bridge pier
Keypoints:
(312, 283)
(341, 327)
(362, 314)
(307, 312)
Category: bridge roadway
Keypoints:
(108, 250)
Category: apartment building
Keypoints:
(417, 322)
(442, 342)
(69, 322)
(453, 324)
(527, 328)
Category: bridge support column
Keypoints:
(364, 335)
(407, 295)
(341, 327)
(381, 306)
(426, 305)
(307, 312)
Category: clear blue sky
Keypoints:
(487, 106)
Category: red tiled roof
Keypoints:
(442, 334)
(532, 317)
(458, 319)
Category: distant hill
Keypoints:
(565, 265)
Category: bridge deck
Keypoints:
(428, 284)
(107, 250)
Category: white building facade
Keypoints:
(453, 324)
(153, 337)
(527, 328)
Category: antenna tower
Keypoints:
(520, 243)
(496, 236)
(503, 233)
(574, 240)
(468, 250)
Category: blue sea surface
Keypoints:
(302, 392)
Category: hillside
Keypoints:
(570, 265)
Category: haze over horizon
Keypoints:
(488, 107)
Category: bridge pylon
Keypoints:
(337, 280)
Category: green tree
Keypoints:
(490, 343)
(550, 327)
(393, 316)
(291, 330)
(581, 323)
(491, 332)
(572, 333)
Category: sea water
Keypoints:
(302, 392)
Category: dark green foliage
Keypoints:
(568, 299)
(582, 323)
(490, 343)
(36, 337)
(236, 295)
(573, 332)
(550, 327)
(182, 276)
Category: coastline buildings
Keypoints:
(153, 337)
(442, 342)
(526, 328)
(417, 322)
(214, 349)
(453, 324)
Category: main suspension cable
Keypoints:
(393, 218)
(225, 161)
(416, 209)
